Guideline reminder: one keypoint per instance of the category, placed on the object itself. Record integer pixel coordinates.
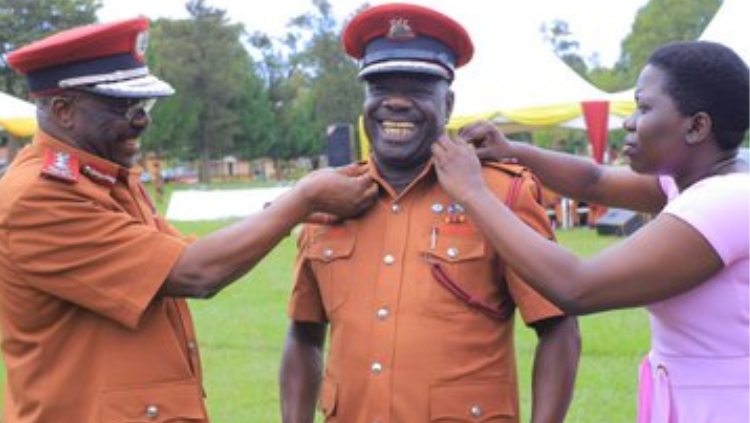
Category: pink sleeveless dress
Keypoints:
(698, 368)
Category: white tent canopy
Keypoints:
(730, 27)
(516, 80)
(507, 75)
(514, 83)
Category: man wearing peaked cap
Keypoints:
(92, 280)
(407, 38)
(106, 59)
(420, 306)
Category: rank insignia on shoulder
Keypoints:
(60, 165)
(99, 176)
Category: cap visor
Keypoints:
(406, 66)
(144, 87)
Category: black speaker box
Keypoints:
(619, 222)
(340, 149)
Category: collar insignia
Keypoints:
(60, 165)
(98, 176)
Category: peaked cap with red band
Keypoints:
(106, 59)
(401, 37)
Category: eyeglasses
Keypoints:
(127, 108)
(139, 106)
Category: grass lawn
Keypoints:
(241, 332)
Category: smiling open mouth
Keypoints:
(398, 131)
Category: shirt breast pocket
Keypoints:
(177, 402)
(467, 269)
(329, 260)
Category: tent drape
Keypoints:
(595, 113)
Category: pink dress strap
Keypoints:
(645, 391)
(654, 385)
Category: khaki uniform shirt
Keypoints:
(82, 256)
(403, 348)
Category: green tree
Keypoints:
(24, 21)
(272, 68)
(258, 129)
(558, 35)
(337, 93)
(207, 63)
(659, 22)
(311, 81)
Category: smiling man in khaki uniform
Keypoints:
(420, 307)
(94, 329)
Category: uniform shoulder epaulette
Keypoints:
(60, 165)
(512, 169)
(519, 175)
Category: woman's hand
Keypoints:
(458, 167)
(490, 143)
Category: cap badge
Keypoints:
(60, 165)
(141, 43)
(400, 29)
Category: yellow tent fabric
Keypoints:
(19, 127)
(364, 143)
(622, 107)
(517, 120)
(17, 117)
(523, 119)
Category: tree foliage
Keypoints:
(237, 94)
(558, 35)
(24, 21)
(659, 22)
(212, 72)
(313, 85)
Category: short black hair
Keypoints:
(704, 76)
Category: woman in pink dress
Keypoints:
(689, 265)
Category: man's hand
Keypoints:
(490, 143)
(333, 194)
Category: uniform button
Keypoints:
(383, 313)
(395, 208)
(376, 368)
(191, 345)
(476, 411)
(389, 259)
(453, 252)
(152, 411)
(328, 253)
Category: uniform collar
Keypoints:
(426, 174)
(65, 162)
